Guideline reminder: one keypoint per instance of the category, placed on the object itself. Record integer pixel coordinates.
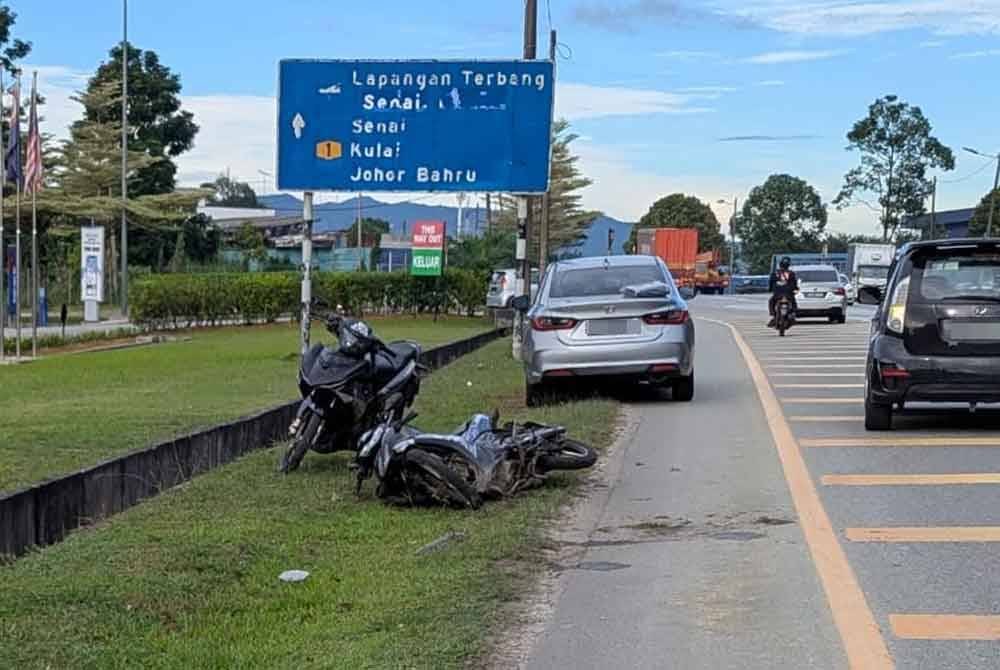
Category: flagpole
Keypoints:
(34, 230)
(16, 128)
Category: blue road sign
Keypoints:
(414, 125)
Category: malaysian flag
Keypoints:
(33, 170)
(13, 158)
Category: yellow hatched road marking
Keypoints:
(824, 419)
(925, 534)
(819, 374)
(823, 401)
(819, 386)
(809, 366)
(912, 480)
(902, 442)
(945, 626)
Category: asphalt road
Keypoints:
(891, 559)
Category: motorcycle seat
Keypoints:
(388, 363)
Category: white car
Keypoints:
(502, 285)
(820, 293)
(848, 288)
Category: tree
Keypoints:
(783, 214)
(896, 149)
(372, 231)
(568, 221)
(158, 126)
(231, 193)
(977, 226)
(682, 211)
(493, 250)
(11, 49)
(251, 241)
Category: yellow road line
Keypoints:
(912, 480)
(863, 643)
(813, 358)
(925, 534)
(945, 626)
(810, 366)
(854, 375)
(819, 386)
(824, 419)
(823, 401)
(902, 441)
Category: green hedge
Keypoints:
(211, 298)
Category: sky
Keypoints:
(706, 98)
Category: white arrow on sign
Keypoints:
(298, 123)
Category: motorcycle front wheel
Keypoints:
(303, 439)
(570, 455)
(433, 478)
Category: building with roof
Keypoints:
(951, 223)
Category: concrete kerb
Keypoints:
(45, 513)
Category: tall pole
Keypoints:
(524, 203)
(933, 209)
(17, 250)
(489, 214)
(543, 233)
(993, 200)
(124, 157)
(360, 240)
(307, 226)
(34, 236)
(732, 247)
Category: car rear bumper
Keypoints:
(498, 300)
(931, 378)
(812, 307)
(633, 361)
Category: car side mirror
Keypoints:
(521, 303)
(687, 293)
(870, 295)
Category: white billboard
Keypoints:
(92, 264)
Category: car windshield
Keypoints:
(585, 282)
(874, 272)
(817, 276)
(958, 277)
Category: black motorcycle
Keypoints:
(478, 461)
(349, 389)
(784, 315)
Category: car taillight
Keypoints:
(503, 282)
(897, 307)
(552, 323)
(839, 291)
(891, 371)
(674, 317)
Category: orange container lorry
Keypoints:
(677, 247)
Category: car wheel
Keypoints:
(683, 388)
(877, 417)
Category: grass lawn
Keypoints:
(66, 412)
(189, 579)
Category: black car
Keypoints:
(936, 334)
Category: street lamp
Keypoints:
(993, 193)
(732, 244)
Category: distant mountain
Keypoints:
(596, 241)
(341, 215)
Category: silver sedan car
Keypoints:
(619, 317)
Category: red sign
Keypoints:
(428, 235)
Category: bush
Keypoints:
(183, 300)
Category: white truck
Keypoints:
(868, 264)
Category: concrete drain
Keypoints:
(602, 566)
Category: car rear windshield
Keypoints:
(584, 282)
(817, 276)
(874, 272)
(971, 276)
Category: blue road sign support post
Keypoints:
(307, 216)
(521, 285)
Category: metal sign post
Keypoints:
(307, 216)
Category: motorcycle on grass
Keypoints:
(479, 461)
(348, 389)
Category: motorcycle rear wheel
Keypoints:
(571, 455)
(296, 451)
(438, 481)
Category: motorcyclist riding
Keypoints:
(783, 283)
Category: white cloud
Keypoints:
(847, 18)
(985, 53)
(770, 82)
(688, 55)
(932, 44)
(586, 101)
(56, 84)
(236, 133)
(800, 56)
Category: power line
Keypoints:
(968, 176)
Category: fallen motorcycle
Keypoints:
(479, 461)
(348, 389)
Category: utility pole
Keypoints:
(360, 239)
(524, 203)
(124, 157)
(993, 193)
(732, 247)
(933, 208)
(489, 214)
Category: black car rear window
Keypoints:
(584, 282)
(817, 276)
(958, 276)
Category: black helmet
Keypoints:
(785, 263)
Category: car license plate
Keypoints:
(607, 327)
(815, 295)
(970, 331)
